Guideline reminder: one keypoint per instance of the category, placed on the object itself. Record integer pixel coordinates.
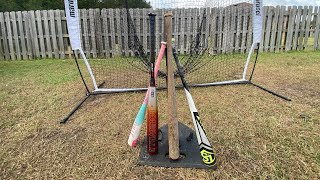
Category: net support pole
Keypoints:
(173, 131)
(258, 86)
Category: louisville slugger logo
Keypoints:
(208, 157)
(206, 151)
(72, 8)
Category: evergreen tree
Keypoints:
(25, 5)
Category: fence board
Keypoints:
(141, 18)
(302, 27)
(161, 26)
(180, 41)
(158, 26)
(264, 20)
(1, 48)
(280, 28)
(212, 38)
(60, 34)
(207, 26)
(194, 22)
(296, 29)
(22, 35)
(290, 28)
(248, 30)
(225, 30)
(175, 23)
(232, 28)
(85, 32)
(175, 28)
(306, 35)
(285, 29)
(134, 19)
(53, 34)
(47, 33)
(26, 20)
(269, 13)
(244, 30)
(274, 28)
(65, 36)
(317, 26)
(98, 32)
(182, 31)
(238, 25)
(112, 34)
(10, 41)
(15, 35)
(34, 35)
(104, 26)
(92, 32)
(125, 32)
(40, 34)
(4, 37)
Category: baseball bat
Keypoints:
(152, 108)
(136, 127)
(206, 150)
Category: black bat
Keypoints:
(152, 108)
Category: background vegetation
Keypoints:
(23, 5)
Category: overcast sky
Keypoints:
(292, 2)
(215, 3)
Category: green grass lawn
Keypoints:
(256, 135)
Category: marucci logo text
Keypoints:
(258, 7)
(72, 9)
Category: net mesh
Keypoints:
(211, 37)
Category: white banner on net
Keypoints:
(257, 20)
(72, 15)
(257, 14)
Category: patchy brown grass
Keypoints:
(255, 134)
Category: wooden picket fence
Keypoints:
(296, 28)
(43, 34)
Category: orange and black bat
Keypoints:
(152, 108)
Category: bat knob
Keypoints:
(134, 143)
